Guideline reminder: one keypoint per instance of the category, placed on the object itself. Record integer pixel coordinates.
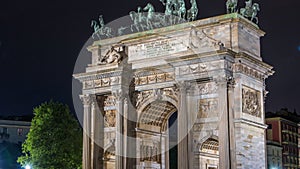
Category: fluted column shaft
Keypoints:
(183, 161)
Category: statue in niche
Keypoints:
(231, 6)
(250, 11)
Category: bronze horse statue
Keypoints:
(231, 6)
(250, 11)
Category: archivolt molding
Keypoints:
(204, 139)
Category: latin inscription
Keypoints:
(156, 49)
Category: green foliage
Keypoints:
(54, 140)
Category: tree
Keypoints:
(54, 140)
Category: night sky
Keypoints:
(40, 41)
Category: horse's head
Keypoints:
(93, 22)
(132, 14)
(256, 6)
(148, 7)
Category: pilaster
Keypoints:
(183, 155)
(119, 95)
(224, 150)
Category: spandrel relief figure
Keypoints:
(112, 56)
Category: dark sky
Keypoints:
(41, 39)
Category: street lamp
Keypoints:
(27, 166)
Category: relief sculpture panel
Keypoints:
(251, 101)
(208, 108)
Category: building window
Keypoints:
(269, 126)
(4, 130)
(20, 132)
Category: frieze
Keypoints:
(240, 68)
(251, 101)
(104, 82)
(155, 78)
(199, 68)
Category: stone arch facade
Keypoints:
(186, 70)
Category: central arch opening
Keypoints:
(157, 131)
(173, 140)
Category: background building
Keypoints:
(274, 155)
(13, 132)
(283, 131)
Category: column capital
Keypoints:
(119, 94)
(87, 99)
(227, 81)
(183, 86)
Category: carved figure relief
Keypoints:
(150, 152)
(208, 88)
(199, 39)
(251, 101)
(113, 55)
(110, 118)
(208, 108)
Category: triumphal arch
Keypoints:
(187, 96)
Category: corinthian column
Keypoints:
(86, 152)
(118, 94)
(183, 161)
